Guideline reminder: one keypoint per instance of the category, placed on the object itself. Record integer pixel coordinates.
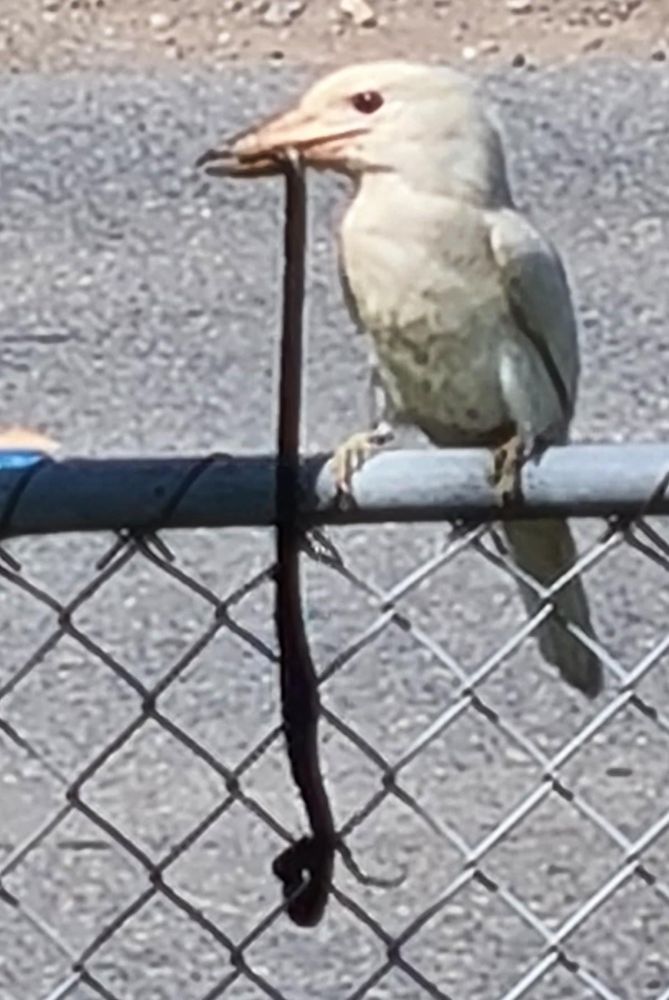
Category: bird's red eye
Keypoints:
(367, 102)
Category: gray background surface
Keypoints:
(138, 314)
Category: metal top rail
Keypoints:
(38, 494)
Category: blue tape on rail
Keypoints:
(20, 459)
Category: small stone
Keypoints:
(223, 37)
(593, 44)
(488, 47)
(275, 16)
(173, 49)
(469, 52)
(658, 55)
(519, 6)
(360, 12)
(518, 60)
(159, 20)
(625, 9)
(279, 14)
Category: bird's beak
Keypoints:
(259, 150)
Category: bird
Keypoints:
(466, 303)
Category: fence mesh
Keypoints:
(520, 833)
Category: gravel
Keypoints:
(47, 35)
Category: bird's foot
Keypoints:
(507, 464)
(350, 456)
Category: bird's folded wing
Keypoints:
(539, 299)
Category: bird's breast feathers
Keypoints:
(435, 308)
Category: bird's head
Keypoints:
(422, 121)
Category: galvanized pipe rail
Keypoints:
(39, 494)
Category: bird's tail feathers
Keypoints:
(545, 549)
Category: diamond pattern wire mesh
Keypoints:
(213, 925)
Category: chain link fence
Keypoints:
(499, 836)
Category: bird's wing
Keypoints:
(539, 300)
(349, 299)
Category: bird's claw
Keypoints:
(507, 464)
(350, 456)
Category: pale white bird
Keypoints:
(467, 305)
